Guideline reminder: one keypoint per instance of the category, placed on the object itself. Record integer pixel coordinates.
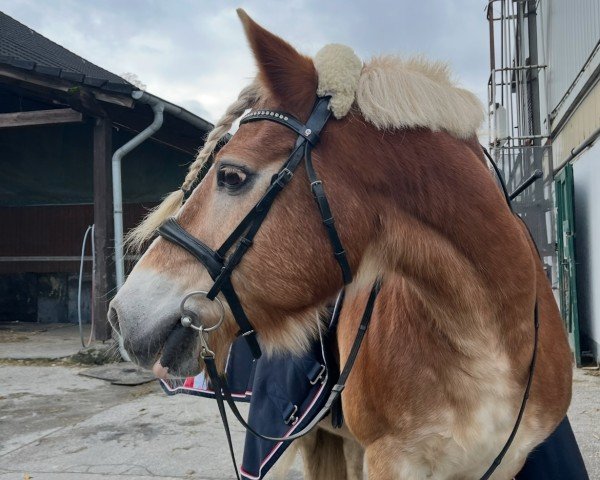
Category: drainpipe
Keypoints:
(158, 108)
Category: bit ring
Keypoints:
(187, 320)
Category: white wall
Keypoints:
(568, 33)
(586, 172)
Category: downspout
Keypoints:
(158, 106)
(158, 109)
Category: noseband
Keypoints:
(221, 267)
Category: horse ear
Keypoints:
(290, 76)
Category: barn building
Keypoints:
(62, 120)
(544, 105)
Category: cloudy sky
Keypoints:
(194, 53)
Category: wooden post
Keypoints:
(104, 276)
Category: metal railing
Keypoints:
(535, 204)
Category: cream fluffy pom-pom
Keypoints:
(338, 69)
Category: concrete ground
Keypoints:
(584, 414)
(58, 425)
(34, 340)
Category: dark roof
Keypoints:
(23, 48)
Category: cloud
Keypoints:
(195, 54)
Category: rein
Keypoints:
(536, 326)
(221, 267)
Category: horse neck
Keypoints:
(446, 230)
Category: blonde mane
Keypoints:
(389, 92)
(415, 93)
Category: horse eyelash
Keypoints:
(226, 169)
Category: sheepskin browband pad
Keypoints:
(338, 69)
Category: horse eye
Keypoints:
(231, 177)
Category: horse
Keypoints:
(438, 382)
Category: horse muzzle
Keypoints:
(148, 313)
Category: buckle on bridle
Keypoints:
(284, 177)
(316, 188)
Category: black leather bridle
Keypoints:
(221, 267)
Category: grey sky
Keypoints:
(194, 53)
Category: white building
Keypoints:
(544, 94)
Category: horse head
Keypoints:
(289, 272)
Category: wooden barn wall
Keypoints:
(52, 165)
(52, 233)
(40, 250)
(46, 196)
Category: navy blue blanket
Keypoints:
(285, 393)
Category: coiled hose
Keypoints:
(83, 245)
(122, 350)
